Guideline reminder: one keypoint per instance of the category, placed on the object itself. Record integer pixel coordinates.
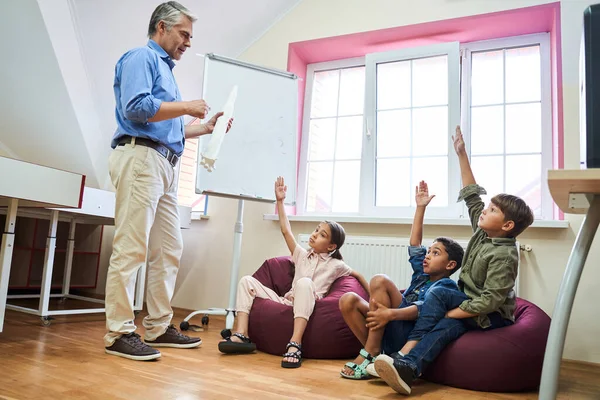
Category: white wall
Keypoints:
(204, 275)
(37, 120)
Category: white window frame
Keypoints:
(302, 171)
(459, 68)
(543, 40)
(368, 173)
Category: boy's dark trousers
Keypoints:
(435, 332)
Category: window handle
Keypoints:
(368, 126)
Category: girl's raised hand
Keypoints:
(280, 189)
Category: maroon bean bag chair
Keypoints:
(326, 336)
(501, 360)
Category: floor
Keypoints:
(66, 361)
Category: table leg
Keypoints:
(564, 302)
(6, 252)
(48, 266)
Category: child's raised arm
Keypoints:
(422, 199)
(470, 195)
(466, 173)
(286, 229)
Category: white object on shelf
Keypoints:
(209, 156)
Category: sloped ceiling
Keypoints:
(57, 73)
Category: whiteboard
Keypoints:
(262, 144)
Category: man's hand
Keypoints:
(422, 197)
(459, 143)
(280, 189)
(211, 123)
(379, 316)
(196, 108)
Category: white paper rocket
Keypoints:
(211, 152)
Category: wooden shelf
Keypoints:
(564, 184)
(30, 247)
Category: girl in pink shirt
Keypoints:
(316, 269)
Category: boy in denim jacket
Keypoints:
(384, 324)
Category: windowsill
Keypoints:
(553, 224)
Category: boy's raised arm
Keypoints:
(466, 173)
(469, 194)
(422, 199)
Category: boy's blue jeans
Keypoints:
(432, 329)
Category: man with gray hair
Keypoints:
(147, 144)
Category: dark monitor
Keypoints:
(589, 78)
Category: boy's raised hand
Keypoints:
(422, 197)
(280, 189)
(459, 143)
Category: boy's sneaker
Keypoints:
(173, 338)
(131, 346)
(371, 367)
(371, 370)
(398, 375)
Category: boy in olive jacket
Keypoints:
(487, 280)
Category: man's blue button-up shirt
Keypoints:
(143, 80)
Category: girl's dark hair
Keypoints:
(338, 236)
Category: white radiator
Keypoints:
(371, 255)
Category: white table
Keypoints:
(47, 193)
(98, 208)
(33, 186)
(575, 192)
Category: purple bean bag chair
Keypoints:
(326, 336)
(501, 360)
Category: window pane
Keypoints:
(489, 173)
(393, 133)
(318, 186)
(349, 138)
(487, 78)
(523, 74)
(523, 179)
(325, 93)
(524, 128)
(430, 131)
(321, 139)
(430, 81)
(352, 91)
(346, 183)
(487, 130)
(393, 183)
(432, 170)
(393, 85)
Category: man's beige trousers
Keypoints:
(146, 225)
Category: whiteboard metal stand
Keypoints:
(238, 230)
